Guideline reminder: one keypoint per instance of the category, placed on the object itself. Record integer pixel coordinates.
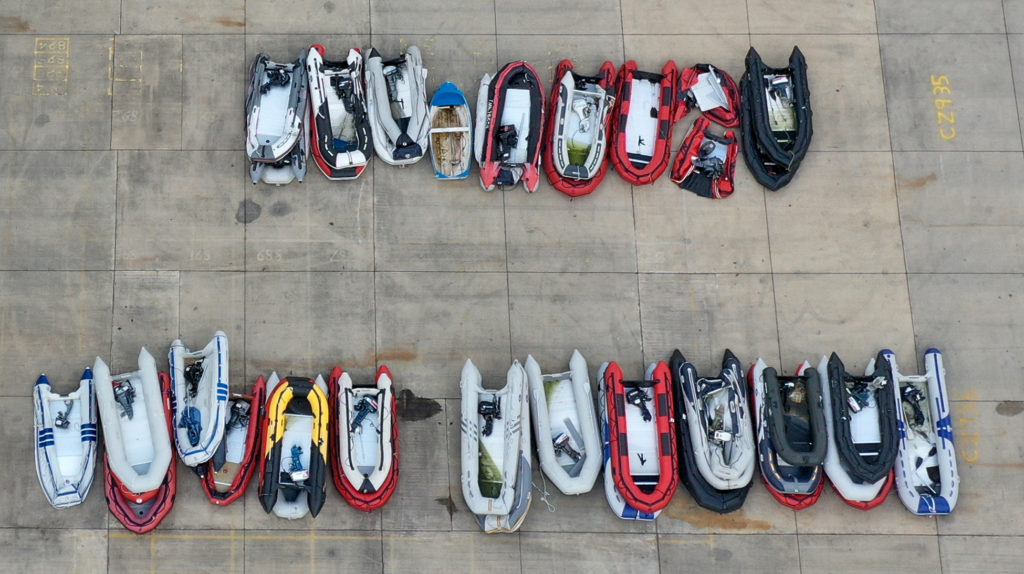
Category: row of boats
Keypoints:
(288, 431)
(863, 433)
(343, 110)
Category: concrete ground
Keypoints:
(127, 219)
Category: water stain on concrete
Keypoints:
(448, 504)
(42, 120)
(1010, 408)
(280, 209)
(248, 211)
(229, 23)
(328, 7)
(396, 355)
(413, 408)
(689, 512)
(14, 24)
(918, 182)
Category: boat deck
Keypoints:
(127, 218)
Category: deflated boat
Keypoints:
(226, 476)
(575, 143)
(275, 110)
(562, 408)
(199, 398)
(293, 468)
(364, 439)
(706, 495)
(776, 118)
(926, 475)
(338, 122)
(509, 127)
(65, 440)
(642, 123)
(451, 133)
(791, 433)
(141, 512)
(396, 98)
(862, 432)
(496, 472)
(642, 436)
(720, 427)
(710, 90)
(706, 163)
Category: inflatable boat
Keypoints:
(642, 123)
(496, 472)
(141, 512)
(131, 407)
(65, 440)
(855, 492)
(712, 91)
(642, 436)
(451, 133)
(706, 163)
(776, 118)
(199, 398)
(706, 496)
(926, 477)
(564, 423)
(227, 474)
(276, 136)
(338, 123)
(791, 434)
(720, 428)
(396, 98)
(619, 506)
(293, 467)
(509, 127)
(576, 139)
(364, 439)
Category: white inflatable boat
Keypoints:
(926, 475)
(720, 424)
(451, 133)
(856, 493)
(619, 506)
(562, 407)
(396, 98)
(276, 136)
(496, 472)
(339, 126)
(199, 397)
(134, 424)
(65, 441)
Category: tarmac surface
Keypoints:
(127, 219)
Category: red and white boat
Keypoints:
(579, 120)
(364, 439)
(228, 473)
(510, 127)
(642, 123)
(642, 436)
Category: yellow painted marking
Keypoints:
(51, 66)
(128, 72)
(944, 119)
(110, 68)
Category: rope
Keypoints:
(544, 492)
